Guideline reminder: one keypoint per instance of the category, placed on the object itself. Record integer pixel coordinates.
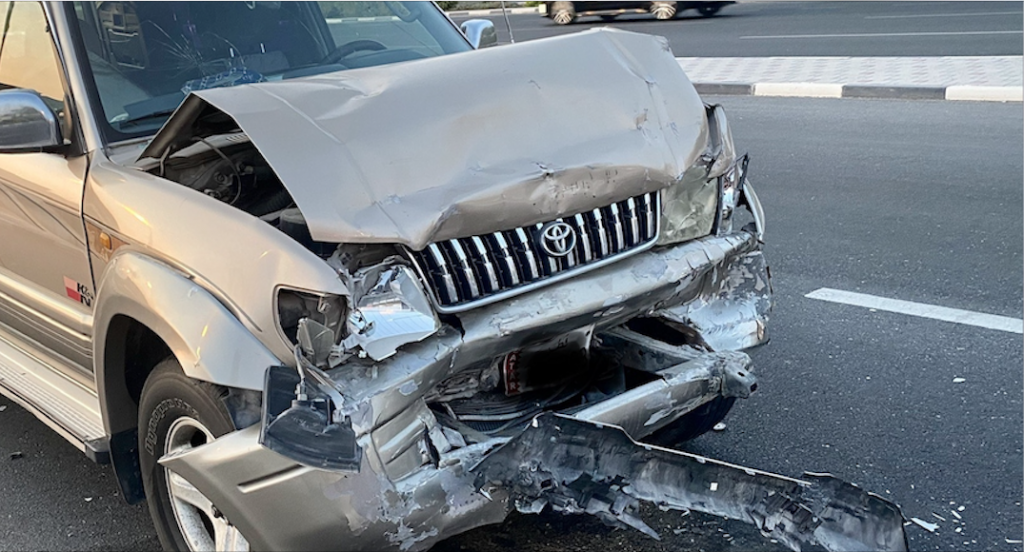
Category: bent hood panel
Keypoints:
(470, 143)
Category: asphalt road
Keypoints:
(758, 29)
(910, 200)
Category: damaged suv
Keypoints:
(321, 275)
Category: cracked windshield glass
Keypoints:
(145, 57)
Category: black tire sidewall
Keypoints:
(693, 424)
(167, 396)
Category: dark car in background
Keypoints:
(564, 13)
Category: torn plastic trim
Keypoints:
(310, 425)
(577, 466)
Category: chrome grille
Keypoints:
(468, 272)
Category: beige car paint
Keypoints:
(43, 242)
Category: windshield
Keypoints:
(144, 57)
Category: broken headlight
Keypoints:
(692, 208)
(294, 305)
(730, 186)
(393, 310)
(688, 207)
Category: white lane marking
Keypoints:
(970, 318)
(875, 35)
(974, 14)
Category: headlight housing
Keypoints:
(703, 200)
(688, 207)
(730, 186)
(392, 311)
(294, 305)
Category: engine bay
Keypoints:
(229, 168)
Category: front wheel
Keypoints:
(177, 413)
(663, 10)
(693, 424)
(563, 13)
(709, 9)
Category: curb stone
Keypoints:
(823, 90)
(828, 90)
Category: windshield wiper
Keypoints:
(146, 117)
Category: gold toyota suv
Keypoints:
(336, 276)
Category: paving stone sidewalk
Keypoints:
(992, 78)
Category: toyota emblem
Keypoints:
(557, 239)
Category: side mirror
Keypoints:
(27, 124)
(480, 32)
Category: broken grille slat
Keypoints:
(466, 272)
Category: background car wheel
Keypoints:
(563, 13)
(663, 10)
(708, 11)
(177, 413)
(693, 425)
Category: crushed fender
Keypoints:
(581, 467)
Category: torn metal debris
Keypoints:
(580, 467)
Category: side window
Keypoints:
(27, 56)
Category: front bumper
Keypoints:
(414, 485)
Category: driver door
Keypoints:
(46, 288)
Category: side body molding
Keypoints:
(207, 339)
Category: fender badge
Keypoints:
(77, 292)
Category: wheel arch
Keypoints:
(146, 312)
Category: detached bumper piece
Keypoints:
(577, 466)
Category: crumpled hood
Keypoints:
(469, 143)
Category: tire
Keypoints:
(175, 413)
(694, 424)
(663, 10)
(563, 13)
(709, 10)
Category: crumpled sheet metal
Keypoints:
(463, 144)
(396, 501)
(679, 389)
(732, 309)
(583, 467)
